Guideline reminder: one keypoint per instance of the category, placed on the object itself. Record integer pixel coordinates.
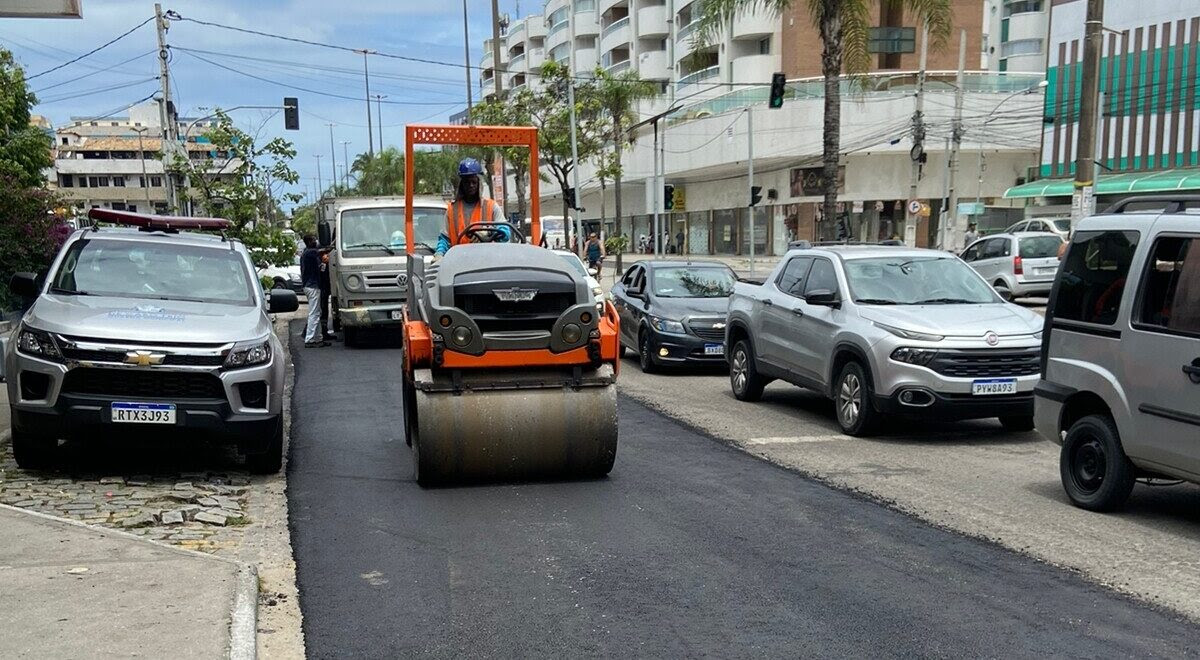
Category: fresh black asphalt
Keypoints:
(689, 548)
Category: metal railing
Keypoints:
(614, 26)
(685, 31)
(558, 27)
(699, 76)
(618, 67)
(585, 5)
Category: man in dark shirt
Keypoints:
(326, 290)
(310, 277)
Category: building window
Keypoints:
(83, 182)
(98, 181)
(64, 141)
(892, 40)
(1021, 47)
(118, 181)
(156, 182)
(118, 206)
(141, 182)
(160, 207)
(65, 181)
(1021, 7)
(764, 46)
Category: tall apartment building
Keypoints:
(116, 162)
(1014, 35)
(655, 38)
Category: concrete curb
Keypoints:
(244, 609)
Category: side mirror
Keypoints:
(282, 301)
(1004, 293)
(823, 297)
(324, 234)
(24, 285)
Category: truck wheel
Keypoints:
(1017, 422)
(270, 460)
(743, 376)
(1096, 473)
(33, 452)
(852, 398)
(645, 358)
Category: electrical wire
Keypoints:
(92, 51)
(95, 90)
(87, 75)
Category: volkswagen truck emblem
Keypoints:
(515, 294)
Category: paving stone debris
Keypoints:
(173, 518)
(211, 517)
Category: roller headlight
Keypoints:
(38, 344)
(908, 334)
(248, 354)
(461, 336)
(354, 282)
(666, 325)
(918, 356)
(571, 333)
(598, 293)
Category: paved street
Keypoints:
(690, 547)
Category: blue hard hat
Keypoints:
(469, 167)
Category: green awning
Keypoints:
(1113, 184)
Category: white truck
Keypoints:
(368, 269)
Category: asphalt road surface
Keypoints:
(689, 548)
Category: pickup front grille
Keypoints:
(986, 363)
(118, 357)
(143, 384)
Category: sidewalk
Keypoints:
(740, 264)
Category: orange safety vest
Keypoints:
(456, 225)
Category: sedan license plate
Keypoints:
(397, 315)
(714, 349)
(994, 386)
(143, 413)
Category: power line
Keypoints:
(92, 51)
(96, 90)
(87, 75)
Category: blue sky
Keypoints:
(117, 75)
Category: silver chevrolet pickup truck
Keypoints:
(146, 327)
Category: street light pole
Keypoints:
(320, 184)
(950, 224)
(379, 116)
(913, 219)
(1042, 84)
(346, 159)
(332, 160)
(467, 51)
(367, 80)
(750, 162)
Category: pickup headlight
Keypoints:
(666, 325)
(917, 356)
(908, 334)
(249, 354)
(354, 282)
(38, 344)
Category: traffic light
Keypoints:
(778, 82)
(569, 196)
(291, 113)
(668, 197)
(755, 195)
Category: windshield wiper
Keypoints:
(381, 246)
(68, 292)
(875, 301)
(947, 301)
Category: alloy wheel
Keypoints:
(737, 371)
(850, 399)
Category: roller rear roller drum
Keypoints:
(511, 434)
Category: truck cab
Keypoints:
(368, 269)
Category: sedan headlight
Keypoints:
(38, 344)
(666, 325)
(908, 334)
(249, 354)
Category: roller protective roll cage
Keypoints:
(484, 136)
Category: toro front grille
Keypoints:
(986, 363)
(143, 383)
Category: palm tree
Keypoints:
(845, 29)
(617, 96)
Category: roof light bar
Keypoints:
(151, 222)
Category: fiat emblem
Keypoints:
(991, 338)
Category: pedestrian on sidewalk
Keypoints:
(679, 242)
(310, 277)
(595, 253)
(326, 290)
(971, 236)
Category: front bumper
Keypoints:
(951, 407)
(682, 349)
(373, 316)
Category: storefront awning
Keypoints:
(1113, 184)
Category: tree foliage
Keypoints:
(30, 234)
(24, 149)
(304, 220)
(618, 95)
(238, 185)
(434, 171)
(512, 111)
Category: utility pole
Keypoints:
(467, 51)
(320, 184)
(658, 190)
(379, 116)
(750, 168)
(346, 159)
(367, 81)
(170, 134)
(1083, 200)
(332, 160)
(142, 157)
(574, 165)
(918, 150)
(496, 47)
(951, 231)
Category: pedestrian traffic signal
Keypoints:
(778, 82)
(755, 195)
(668, 197)
(569, 196)
(291, 113)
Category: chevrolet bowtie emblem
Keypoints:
(515, 294)
(144, 358)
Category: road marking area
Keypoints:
(792, 440)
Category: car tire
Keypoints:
(1017, 422)
(744, 380)
(645, 357)
(270, 460)
(1001, 285)
(279, 284)
(853, 400)
(1096, 473)
(34, 452)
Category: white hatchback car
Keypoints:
(1016, 264)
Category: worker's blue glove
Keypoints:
(443, 244)
(503, 234)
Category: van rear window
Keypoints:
(1092, 277)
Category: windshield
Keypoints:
(575, 263)
(1039, 247)
(376, 229)
(155, 271)
(916, 281)
(1062, 224)
(693, 282)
